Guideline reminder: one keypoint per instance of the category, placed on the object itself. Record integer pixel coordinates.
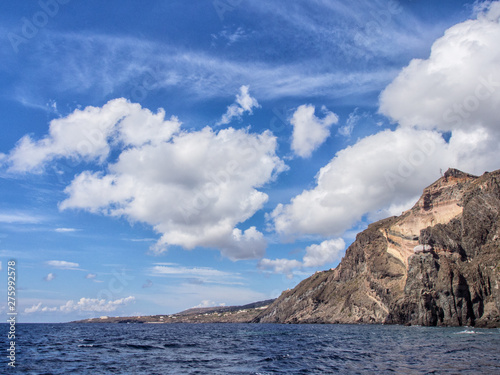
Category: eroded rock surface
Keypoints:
(453, 279)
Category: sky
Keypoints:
(159, 157)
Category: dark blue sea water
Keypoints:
(250, 349)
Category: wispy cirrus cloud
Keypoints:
(356, 31)
(66, 230)
(62, 264)
(229, 36)
(18, 217)
(142, 239)
(202, 274)
(352, 121)
(375, 37)
(147, 284)
(160, 270)
(194, 74)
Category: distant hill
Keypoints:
(436, 264)
(218, 314)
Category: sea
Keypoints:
(249, 349)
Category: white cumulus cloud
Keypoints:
(192, 187)
(317, 255)
(285, 266)
(457, 87)
(207, 303)
(456, 90)
(94, 304)
(39, 308)
(85, 135)
(326, 252)
(360, 179)
(84, 304)
(309, 131)
(489, 10)
(193, 190)
(49, 277)
(243, 103)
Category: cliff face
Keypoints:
(436, 264)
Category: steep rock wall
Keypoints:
(382, 280)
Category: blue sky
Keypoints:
(155, 158)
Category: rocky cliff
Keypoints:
(436, 264)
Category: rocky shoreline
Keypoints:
(437, 264)
(220, 314)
